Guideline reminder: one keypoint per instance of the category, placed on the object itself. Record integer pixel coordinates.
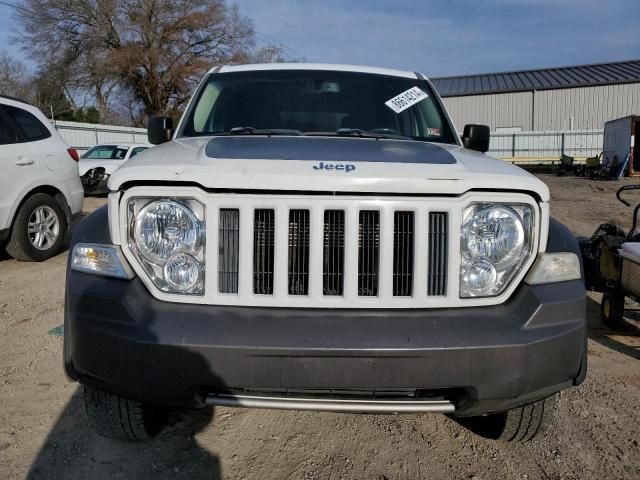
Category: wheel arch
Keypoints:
(561, 239)
(50, 190)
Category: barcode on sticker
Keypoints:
(406, 99)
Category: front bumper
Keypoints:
(486, 359)
(95, 182)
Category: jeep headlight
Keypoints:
(496, 240)
(167, 238)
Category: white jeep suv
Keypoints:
(318, 237)
(40, 189)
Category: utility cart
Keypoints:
(611, 261)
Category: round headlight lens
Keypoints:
(479, 277)
(182, 272)
(165, 227)
(494, 233)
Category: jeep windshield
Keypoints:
(314, 102)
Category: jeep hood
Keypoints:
(325, 164)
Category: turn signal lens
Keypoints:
(554, 267)
(104, 260)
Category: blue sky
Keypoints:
(443, 37)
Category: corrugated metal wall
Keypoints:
(496, 110)
(590, 107)
(570, 108)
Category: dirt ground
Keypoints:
(44, 432)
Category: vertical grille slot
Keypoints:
(263, 251)
(403, 231)
(298, 252)
(438, 252)
(228, 248)
(333, 253)
(368, 252)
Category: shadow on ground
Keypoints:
(73, 450)
(599, 332)
(3, 254)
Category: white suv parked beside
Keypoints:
(40, 189)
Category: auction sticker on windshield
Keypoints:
(406, 99)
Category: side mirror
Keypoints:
(159, 129)
(476, 137)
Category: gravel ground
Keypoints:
(44, 433)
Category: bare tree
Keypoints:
(267, 54)
(14, 77)
(150, 50)
(45, 91)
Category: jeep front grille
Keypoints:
(333, 253)
(437, 276)
(298, 252)
(301, 235)
(403, 254)
(263, 251)
(368, 253)
(228, 252)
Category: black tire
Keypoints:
(20, 246)
(520, 424)
(113, 416)
(612, 309)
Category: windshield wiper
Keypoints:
(256, 131)
(364, 134)
(358, 132)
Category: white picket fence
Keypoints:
(520, 147)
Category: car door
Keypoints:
(38, 147)
(17, 167)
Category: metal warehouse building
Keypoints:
(566, 98)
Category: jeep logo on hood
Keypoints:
(340, 167)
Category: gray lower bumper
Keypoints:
(119, 338)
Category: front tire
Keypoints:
(38, 230)
(113, 416)
(520, 424)
(612, 309)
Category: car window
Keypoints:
(106, 152)
(6, 134)
(30, 127)
(137, 150)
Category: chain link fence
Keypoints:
(520, 147)
(546, 146)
